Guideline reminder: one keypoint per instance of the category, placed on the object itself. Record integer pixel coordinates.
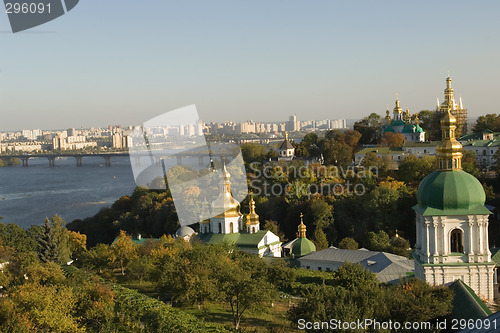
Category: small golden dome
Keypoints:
(252, 217)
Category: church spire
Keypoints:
(252, 217)
(302, 227)
(448, 94)
(449, 150)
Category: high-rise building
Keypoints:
(457, 110)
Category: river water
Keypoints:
(29, 194)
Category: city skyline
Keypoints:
(114, 62)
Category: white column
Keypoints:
(435, 225)
(427, 238)
(418, 224)
(445, 240)
(481, 246)
(470, 251)
(486, 237)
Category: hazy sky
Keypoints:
(123, 62)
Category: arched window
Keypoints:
(457, 241)
(231, 227)
(484, 152)
(220, 228)
(253, 230)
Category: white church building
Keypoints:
(231, 226)
(452, 222)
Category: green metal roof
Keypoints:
(381, 150)
(408, 129)
(450, 193)
(240, 239)
(389, 129)
(466, 304)
(302, 246)
(397, 123)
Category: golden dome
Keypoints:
(449, 150)
(302, 227)
(225, 204)
(252, 217)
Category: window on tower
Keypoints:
(456, 241)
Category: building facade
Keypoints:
(452, 222)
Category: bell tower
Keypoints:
(452, 222)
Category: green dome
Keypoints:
(418, 129)
(389, 129)
(408, 129)
(397, 123)
(302, 246)
(451, 193)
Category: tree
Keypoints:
(430, 121)
(370, 129)
(348, 243)
(377, 241)
(413, 169)
(53, 241)
(124, 250)
(400, 246)
(99, 258)
(489, 121)
(469, 162)
(77, 243)
(390, 139)
(320, 239)
(253, 152)
(244, 287)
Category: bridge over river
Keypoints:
(203, 157)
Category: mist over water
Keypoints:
(29, 194)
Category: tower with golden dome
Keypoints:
(452, 222)
(227, 224)
(456, 109)
(302, 246)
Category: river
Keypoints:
(30, 194)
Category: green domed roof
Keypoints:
(302, 246)
(418, 129)
(451, 193)
(397, 123)
(389, 129)
(408, 129)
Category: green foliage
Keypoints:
(370, 128)
(355, 294)
(489, 121)
(17, 238)
(414, 169)
(348, 243)
(53, 241)
(320, 239)
(136, 309)
(124, 250)
(430, 121)
(377, 241)
(253, 152)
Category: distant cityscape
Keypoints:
(118, 137)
